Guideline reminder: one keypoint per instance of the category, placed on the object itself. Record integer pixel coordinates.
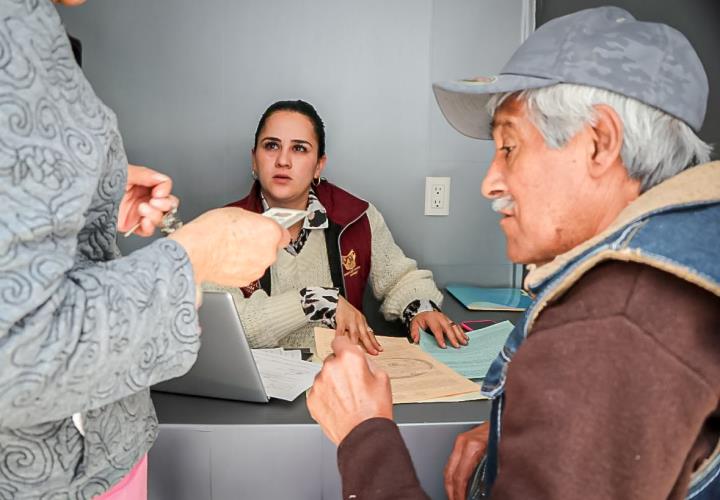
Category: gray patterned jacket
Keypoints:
(80, 329)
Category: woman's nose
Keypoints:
(283, 158)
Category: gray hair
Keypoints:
(656, 145)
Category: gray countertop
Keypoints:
(192, 410)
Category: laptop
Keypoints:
(225, 367)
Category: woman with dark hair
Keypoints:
(336, 250)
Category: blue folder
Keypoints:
(473, 360)
(490, 299)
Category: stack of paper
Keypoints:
(414, 375)
(287, 353)
(284, 374)
(474, 359)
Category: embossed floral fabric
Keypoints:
(82, 330)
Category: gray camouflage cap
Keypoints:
(603, 47)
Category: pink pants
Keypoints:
(132, 487)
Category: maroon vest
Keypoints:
(347, 238)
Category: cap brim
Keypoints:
(463, 102)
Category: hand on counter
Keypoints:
(440, 326)
(351, 322)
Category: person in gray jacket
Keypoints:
(83, 331)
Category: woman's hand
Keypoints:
(147, 199)
(467, 453)
(440, 326)
(351, 322)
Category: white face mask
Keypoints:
(503, 203)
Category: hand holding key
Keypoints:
(146, 202)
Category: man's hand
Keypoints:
(231, 246)
(351, 322)
(440, 326)
(147, 198)
(468, 452)
(347, 391)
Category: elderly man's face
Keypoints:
(555, 207)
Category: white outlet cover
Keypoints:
(437, 195)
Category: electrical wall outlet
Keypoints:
(437, 195)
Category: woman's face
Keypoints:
(285, 159)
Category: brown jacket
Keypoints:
(634, 358)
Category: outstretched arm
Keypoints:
(352, 402)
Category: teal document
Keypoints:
(490, 299)
(474, 359)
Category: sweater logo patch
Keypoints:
(349, 262)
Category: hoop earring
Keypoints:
(254, 174)
(316, 182)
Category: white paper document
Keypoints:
(287, 353)
(284, 377)
(292, 354)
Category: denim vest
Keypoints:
(682, 239)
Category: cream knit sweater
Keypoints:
(279, 320)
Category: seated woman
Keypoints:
(336, 250)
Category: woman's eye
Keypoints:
(299, 148)
(271, 145)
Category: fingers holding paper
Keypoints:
(348, 390)
(231, 246)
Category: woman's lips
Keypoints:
(281, 179)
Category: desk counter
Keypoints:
(217, 449)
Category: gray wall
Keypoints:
(190, 79)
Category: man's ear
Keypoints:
(608, 140)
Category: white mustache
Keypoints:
(504, 203)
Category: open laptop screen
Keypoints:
(225, 367)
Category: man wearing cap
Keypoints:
(609, 387)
